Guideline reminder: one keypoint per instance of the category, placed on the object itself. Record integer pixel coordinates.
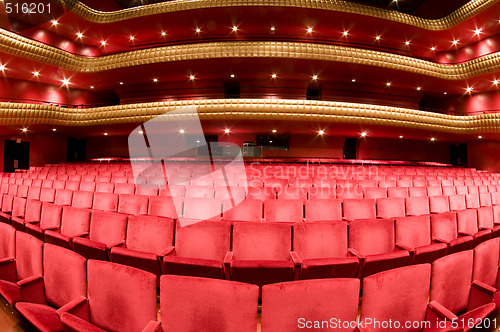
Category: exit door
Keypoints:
(16, 155)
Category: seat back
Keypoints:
(313, 300)
(47, 195)
(121, 298)
(397, 192)
(413, 231)
(416, 206)
(262, 241)
(200, 192)
(248, 210)
(284, 210)
(451, 280)
(149, 234)
(438, 204)
(320, 240)
(124, 188)
(28, 255)
(483, 269)
(105, 202)
(63, 197)
(75, 221)
(375, 192)
(182, 296)
(467, 221)
(359, 209)
(205, 240)
(399, 295)
(7, 241)
(201, 208)
(82, 199)
(371, 237)
(457, 202)
(87, 186)
(51, 216)
(472, 201)
(104, 187)
(485, 217)
(107, 227)
(323, 210)
(444, 226)
(65, 275)
(133, 204)
(390, 207)
(164, 206)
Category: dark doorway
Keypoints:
(458, 154)
(350, 148)
(313, 91)
(232, 89)
(77, 149)
(16, 155)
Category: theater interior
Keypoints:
(249, 165)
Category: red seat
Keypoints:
(7, 242)
(74, 222)
(165, 206)
(390, 207)
(104, 187)
(248, 210)
(323, 210)
(147, 241)
(467, 224)
(200, 192)
(32, 215)
(414, 234)
(87, 186)
(198, 209)
(397, 192)
(444, 229)
(105, 202)
(484, 269)
(452, 286)
(288, 306)
(359, 209)
(321, 250)
(457, 202)
(438, 204)
(64, 280)
(486, 223)
(449, 190)
(375, 192)
(63, 197)
(417, 192)
(107, 230)
(416, 206)
(124, 188)
(372, 241)
(261, 253)
(133, 204)
(284, 210)
(147, 189)
(200, 250)
(82, 199)
(180, 297)
(472, 201)
(17, 273)
(49, 219)
(72, 185)
(434, 191)
(120, 298)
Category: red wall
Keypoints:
(484, 155)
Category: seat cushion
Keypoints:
(72, 323)
(41, 316)
(10, 291)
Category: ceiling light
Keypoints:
(309, 30)
(191, 77)
(235, 28)
(495, 82)
(321, 132)
(455, 42)
(141, 132)
(274, 75)
(433, 48)
(2, 67)
(54, 22)
(132, 37)
(419, 88)
(121, 83)
(163, 33)
(103, 42)
(480, 137)
(445, 93)
(197, 141)
(274, 130)
(181, 131)
(273, 28)
(198, 30)
(400, 136)
(155, 80)
(105, 134)
(65, 81)
(232, 76)
(478, 31)
(24, 130)
(353, 80)
(407, 42)
(226, 131)
(35, 73)
(91, 86)
(469, 90)
(345, 33)
(388, 83)
(79, 35)
(315, 77)
(377, 37)
(433, 139)
(54, 129)
(363, 134)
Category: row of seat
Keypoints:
(56, 289)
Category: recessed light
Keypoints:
(2, 67)
(315, 77)
(35, 73)
(270, 141)
(54, 129)
(407, 42)
(433, 139)
(480, 137)
(445, 93)
(274, 130)
(309, 30)
(377, 37)
(235, 28)
(469, 89)
(121, 83)
(181, 131)
(273, 28)
(54, 22)
(141, 132)
(91, 86)
(321, 132)
(233, 76)
(163, 33)
(495, 82)
(345, 33)
(155, 80)
(478, 31)
(132, 37)
(363, 134)
(198, 30)
(65, 81)
(388, 84)
(103, 43)
(419, 88)
(400, 136)
(24, 130)
(274, 75)
(353, 80)
(455, 42)
(197, 141)
(191, 77)
(105, 134)
(226, 131)
(433, 48)
(79, 35)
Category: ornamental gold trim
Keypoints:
(253, 109)
(17, 45)
(463, 13)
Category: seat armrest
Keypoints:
(78, 306)
(355, 253)
(228, 258)
(437, 312)
(167, 251)
(6, 261)
(108, 247)
(404, 247)
(480, 294)
(263, 220)
(51, 228)
(84, 235)
(297, 261)
(32, 289)
(464, 234)
(153, 326)
(438, 240)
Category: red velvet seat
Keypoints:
(261, 193)
(438, 204)
(104, 187)
(261, 253)
(63, 197)
(75, 222)
(457, 202)
(165, 207)
(322, 192)
(321, 250)
(400, 296)
(414, 234)
(287, 306)
(7, 241)
(174, 191)
(372, 241)
(105, 202)
(64, 280)
(467, 223)
(200, 192)
(417, 192)
(434, 191)
(284, 210)
(484, 269)
(233, 303)
(87, 186)
(449, 190)
(323, 210)
(107, 230)
(120, 298)
(49, 219)
(124, 188)
(417, 206)
(32, 214)
(82, 199)
(486, 224)
(17, 273)
(472, 201)
(359, 209)
(147, 190)
(444, 229)
(200, 250)
(375, 192)
(248, 210)
(397, 192)
(452, 286)
(390, 207)
(133, 204)
(197, 209)
(147, 241)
